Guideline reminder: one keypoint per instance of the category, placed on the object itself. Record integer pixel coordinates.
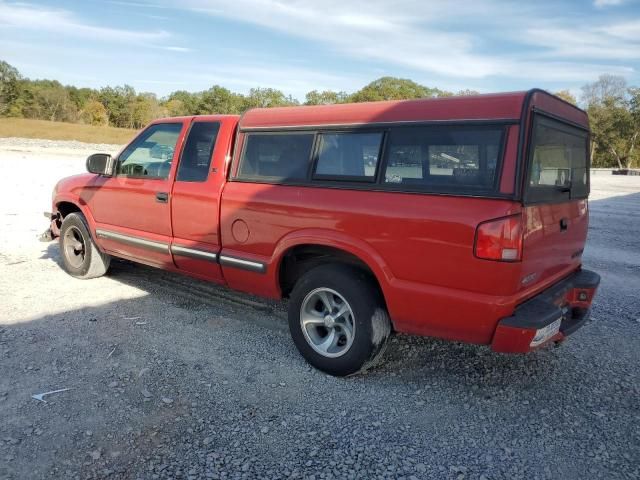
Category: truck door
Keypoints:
(195, 198)
(131, 209)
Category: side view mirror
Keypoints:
(100, 163)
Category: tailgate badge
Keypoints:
(529, 278)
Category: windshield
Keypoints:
(558, 162)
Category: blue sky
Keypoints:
(296, 46)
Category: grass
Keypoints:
(26, 128)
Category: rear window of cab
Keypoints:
(456, 159)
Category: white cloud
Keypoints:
(290, 79)
(443, 40)
(454, 46)
(629, 30)
(607, 3)
(619, 41)
(375, 30)
(45, 19)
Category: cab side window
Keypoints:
(198, 149)
(151, 154)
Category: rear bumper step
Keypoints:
(550, 316)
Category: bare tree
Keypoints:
(606, 87)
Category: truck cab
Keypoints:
(158, 201)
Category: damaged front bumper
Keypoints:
(53, 231)
(548, 317)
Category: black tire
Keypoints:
(81, 257)
(370, 320)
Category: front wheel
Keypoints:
(81, 257)
(337, 320)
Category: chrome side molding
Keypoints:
(135, 241)
(182, 251)
(257, 267)
(193, 253)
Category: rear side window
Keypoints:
(276, 156)
(198, 149)
(558, 162)
(451, 159)
(348, 156)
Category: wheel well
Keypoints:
(302, 258)
(64, 209)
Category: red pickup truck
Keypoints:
(462, 218)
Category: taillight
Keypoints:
(581, 297)
(500, 239)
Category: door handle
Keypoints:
(162, 197)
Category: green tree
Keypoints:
(566, 96)
(326, 97)
(175, 108)
(267, 97)
(613, 116)
(614, 134)
(182, 102)
(9, 87)
(119, 101)
(94, 113)
(219, 100)
(144, 109)
(634, 107)
(391, 88)
(49, 100)
(80, 96)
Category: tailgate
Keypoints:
(554, 239)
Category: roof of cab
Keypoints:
(195, 117)
(495, 106)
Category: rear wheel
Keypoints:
(337, 319)
(81, 257)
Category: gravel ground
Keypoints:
(170, 377)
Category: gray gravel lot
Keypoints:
(171, 377)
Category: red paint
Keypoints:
(195, 206)
(420, 247)
(495, 106)
(507, 182)
(548, 250)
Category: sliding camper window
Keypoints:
(276, 157)
(348, 156)
(457, 159)
(558, 162)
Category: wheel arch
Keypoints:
(64, 205)
(303, 250)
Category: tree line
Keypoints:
(613, 106)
